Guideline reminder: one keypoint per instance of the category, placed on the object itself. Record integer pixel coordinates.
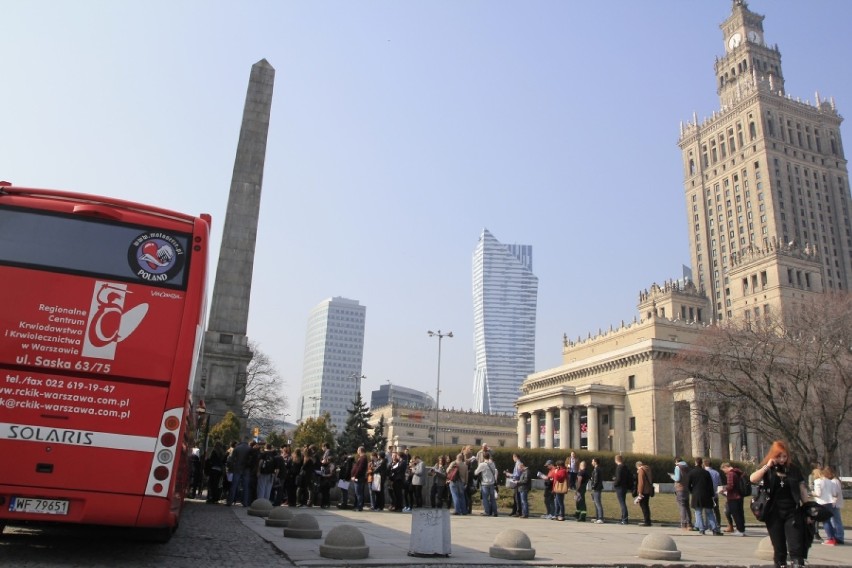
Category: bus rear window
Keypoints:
(74, 245)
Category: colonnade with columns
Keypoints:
(562, 427)
(702, 429)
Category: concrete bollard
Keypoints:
(303, 526)
(344, 542)
(279, 517)
(260, 508)
(659, 547)
(512, 544)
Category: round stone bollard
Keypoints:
(659, 547)
(512, 544)
(764, 549)
(303, 526)
(260, 508)
(279, 517)
(344, 542)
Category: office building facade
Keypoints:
(334, 351)
(505, 293)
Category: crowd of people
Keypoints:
(394, 481)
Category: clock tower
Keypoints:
(746, 56)
(766, 185)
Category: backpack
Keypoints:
(267, 463)
(744, 486)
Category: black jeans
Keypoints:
(645, 505)
(787, 533)
(621, 495)
(735, 508)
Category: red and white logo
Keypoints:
(110, 322)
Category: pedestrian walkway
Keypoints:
(566, 543)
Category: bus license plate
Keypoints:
(40, 506)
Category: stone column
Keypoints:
(695, 430)
(618, 429)
(534, 429)
(592, 429)
(575, 427)
(548, 428)
(564, 428)
(715, 433)
(522, 430)
(734, 444)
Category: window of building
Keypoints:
(632, 426)
(631, 382)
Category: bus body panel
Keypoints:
(97, 357)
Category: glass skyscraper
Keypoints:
(505, 292)
(334, 350)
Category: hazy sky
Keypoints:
(399, 131)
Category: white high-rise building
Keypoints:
(334, 350)
(505, 292)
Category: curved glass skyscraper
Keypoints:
(505, 292)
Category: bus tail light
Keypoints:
(163, 463)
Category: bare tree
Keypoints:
(264, 400)
(788, 379)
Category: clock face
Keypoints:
(753, 36)
(735, 40)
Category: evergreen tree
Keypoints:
(378, 440)
(356, 433)
(227, 430)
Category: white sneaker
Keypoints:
(738, 533)
(598, 522)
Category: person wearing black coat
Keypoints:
(701, 493)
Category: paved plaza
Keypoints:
(567, 543)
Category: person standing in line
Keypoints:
(457, 478)
(717, 484)
(644, 484)
(734, 506)
(396, 478)
(523, 491)
(573, 467)
(345, 475)
(824, 494)
(596, 485)
(417, 468)
(785, 520)
(471, 481)
(622, 483)
(215, 464)
(559, 477)
(681, 472)
(242, 473)
(438, 473)
(548, 490)
(701, 494)
(359, 477)
(512, 477)
(487, 473)
(580, 493)
(836, 519)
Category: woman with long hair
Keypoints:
(788, 489)
(438, 492)
(836, 519)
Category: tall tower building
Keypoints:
(222, 374)
(505, 292)
(766, 183)
(334, 350)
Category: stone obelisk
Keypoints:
(221, 375)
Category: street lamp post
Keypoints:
(357, 378)
(440, 336)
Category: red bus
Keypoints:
(100, 332)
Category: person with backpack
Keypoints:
(266, 472)
(681, 472)
(736, 496)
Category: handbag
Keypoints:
(760, 503)
(377, 482)
(560, 486)
(453, 474)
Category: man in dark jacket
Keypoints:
(240, 466)
(359, 477)
(622, 484)
(701, 492)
